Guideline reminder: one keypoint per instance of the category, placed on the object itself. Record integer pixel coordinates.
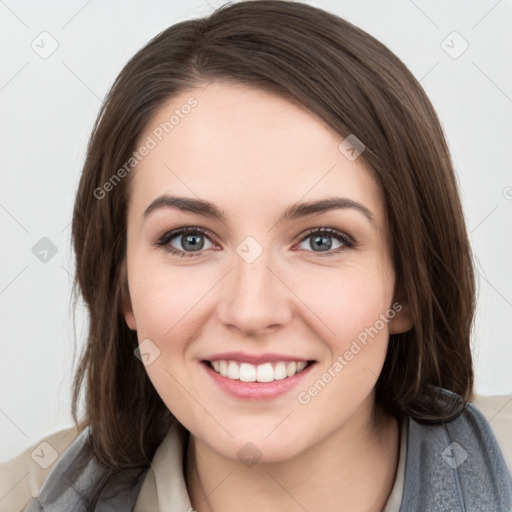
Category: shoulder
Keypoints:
(72, 475)
(461, 461)
(22, 476)
(497, 410)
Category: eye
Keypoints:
(192, 241)
(189, 238)
(322, 239)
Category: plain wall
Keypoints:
(48, 106)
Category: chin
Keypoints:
(250, 449)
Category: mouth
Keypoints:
(266, 380)
(266, 372)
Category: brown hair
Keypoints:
(357, 86)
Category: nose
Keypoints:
(255, 298)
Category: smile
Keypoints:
(266, 372)
(264, 378)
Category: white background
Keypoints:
(48, 108)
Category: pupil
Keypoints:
(322, 240)
(194, 245)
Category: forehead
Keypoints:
(239, 146)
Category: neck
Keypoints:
(351, 470)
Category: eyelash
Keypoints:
(163, 242)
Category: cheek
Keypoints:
(165, 304)
(356, 309)
(162, 299)
(348, 302)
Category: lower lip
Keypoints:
(256, 390)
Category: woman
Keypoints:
(235, 355)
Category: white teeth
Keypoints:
(301, 365)
(233, 372)
(266, 372)
(291, 369)
(280, 371)
(247, 372)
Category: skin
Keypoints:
(253, 154)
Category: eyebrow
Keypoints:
(293, 212)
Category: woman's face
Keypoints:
(257, 287)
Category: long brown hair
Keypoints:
(357, 86)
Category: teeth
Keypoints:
(266, 372)
(247, 372)
(280, 371)
(233, 371)
(301, 365)
(291, 369)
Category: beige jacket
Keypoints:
(22, 476)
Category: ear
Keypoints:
(127, 310)
(126, 303)
(403, 320)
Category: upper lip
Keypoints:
(253, 358)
